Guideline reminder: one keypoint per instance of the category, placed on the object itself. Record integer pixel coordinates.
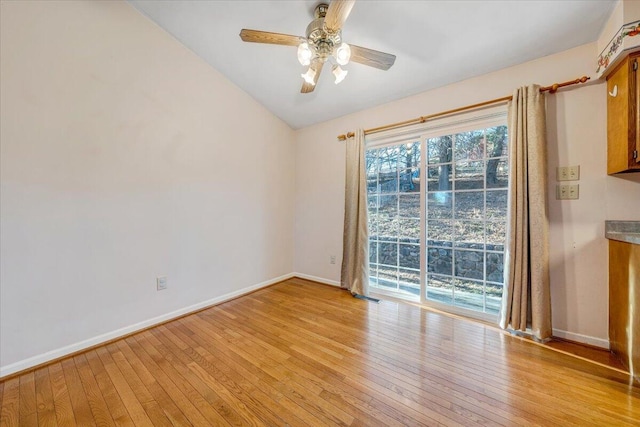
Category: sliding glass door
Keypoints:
(393, 182)
(437, 215)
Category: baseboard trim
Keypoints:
(69, 350)
(584, 339)
(317, 279)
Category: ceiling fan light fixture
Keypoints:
(309, 76)
(343, 54)
(339, 73)
(304, 53)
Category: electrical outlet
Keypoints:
(568, 192)
(568, 173)
(574, 173)
(332, 259)
(161, 283)
(574, 192)
(562, 174)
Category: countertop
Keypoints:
(623, 231)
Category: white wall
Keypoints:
(124, 157)
(576, 136)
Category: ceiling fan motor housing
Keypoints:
(320, 40)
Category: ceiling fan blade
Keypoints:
(372, 58)
(337, 13)
(317, 67)
(256, 36)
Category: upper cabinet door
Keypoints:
(623, 120)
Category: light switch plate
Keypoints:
(568, 192)
(568, 173)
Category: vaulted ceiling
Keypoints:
(436, 43)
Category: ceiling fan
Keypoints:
(323, 42)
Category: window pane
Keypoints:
(373, 274)
(388, 253)
(387, 228)
(440, 289)
(371, 160)
(388, 277)
(439, 178)
(469, 205)
(495, 233)
(439, 149)
(439, 233)
(388, 160)
(409, 230)
(468, 294)
(497, 204)
(372, 184)
(409, 256)
(469, 234)
(439, 205)
(388, 205)
(388, 182)
(469, 145)
(409, 205)
(469, 175)
(409, 281)
(409, 155)
(373, 220)
(497, 142)
(493, 297)
(373, 252)
(495, 267)
(409, 180)
(439, 261)
(469, 264)
(497, 173)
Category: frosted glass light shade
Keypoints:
(343, 54)
(304, 53)
(308, 76)
(339, 73)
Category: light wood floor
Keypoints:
(299, 353)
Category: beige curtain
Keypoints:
(355, 254)
(526, 298)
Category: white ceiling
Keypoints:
(436, 43)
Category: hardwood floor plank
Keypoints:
(207, 391)
(28, 406)
(44, 398)
(110, 394)
(303, 354)
(172, 369)
(99, 408)
(158, 394)
(10, 409)
(168, 386)
(153, 410)
(61, 398)
(79, 402)
(134, 407)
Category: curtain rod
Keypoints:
(551, 89)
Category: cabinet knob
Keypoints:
(614, 92)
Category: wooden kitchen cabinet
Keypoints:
(624, 303)
(623, 118)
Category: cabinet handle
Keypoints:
(614, 92)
